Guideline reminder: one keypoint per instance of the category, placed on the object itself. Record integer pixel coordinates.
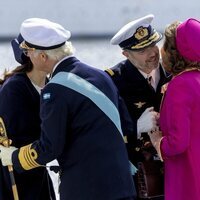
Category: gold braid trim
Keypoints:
(27, 157)
(145, 43)
(110, 71)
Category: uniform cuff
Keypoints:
(16, 164)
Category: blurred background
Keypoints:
(91, 22)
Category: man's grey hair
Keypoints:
(57, 54)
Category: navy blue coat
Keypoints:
(81, 128)
(19, 108)
(138, 95)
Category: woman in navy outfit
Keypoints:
(19, 109)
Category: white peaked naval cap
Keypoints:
(137, 34)
(43, 34)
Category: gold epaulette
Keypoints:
(110, 71)
(27, 157)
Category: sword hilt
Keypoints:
(3, 135)
(5, 141)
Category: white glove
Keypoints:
(147, 121)
(6, 155)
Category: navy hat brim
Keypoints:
(32, 46)
(20, 57)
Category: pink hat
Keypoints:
(188, 40)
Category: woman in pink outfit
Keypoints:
(178, 142)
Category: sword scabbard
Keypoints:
(5, 141)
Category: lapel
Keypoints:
(164, 78)
(133, 76)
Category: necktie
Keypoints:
(149, 81)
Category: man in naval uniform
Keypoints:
(80, 112)
(139, 79)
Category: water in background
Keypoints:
(96, 52)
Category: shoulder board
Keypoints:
(110, 72)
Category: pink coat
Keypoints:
(180, 147)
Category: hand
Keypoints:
(147, 121)
(155, 136)
(6, 155)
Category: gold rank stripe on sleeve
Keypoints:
(110, 71)
(27, 157)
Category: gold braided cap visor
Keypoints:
(156, 37)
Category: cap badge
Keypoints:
(141, 33)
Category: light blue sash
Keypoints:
(85, 88)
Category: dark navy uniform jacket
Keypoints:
(138, 96)
(19, 108)
(81, 128)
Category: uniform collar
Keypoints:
(61, 61)
(63, 65)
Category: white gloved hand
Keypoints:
(6, 155)
(147, 121)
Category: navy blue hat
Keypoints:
(20, 57)
(137, 35)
